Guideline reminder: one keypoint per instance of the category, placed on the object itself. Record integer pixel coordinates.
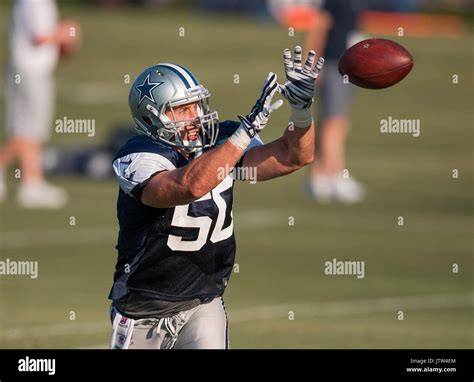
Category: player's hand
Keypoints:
(299, 86)
(69, 36)
(257, 119)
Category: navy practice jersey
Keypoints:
(173, 254)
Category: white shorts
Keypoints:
(29, 105)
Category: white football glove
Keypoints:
(299, 86)
(257, 119)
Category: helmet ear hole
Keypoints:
(147, 121)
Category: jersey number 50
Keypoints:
(182, 219)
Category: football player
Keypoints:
(176, 244)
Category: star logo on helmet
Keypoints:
(146, 89)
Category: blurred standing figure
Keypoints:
(37, 39)
(330, 36)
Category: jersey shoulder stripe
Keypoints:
(139, 159)
(142, 144)
(134, 169)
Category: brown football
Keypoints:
(376, 63)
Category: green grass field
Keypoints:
(281, 267)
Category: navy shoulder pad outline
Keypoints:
(142, 144)
(226, 129)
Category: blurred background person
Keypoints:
(331, 34)
(37, 39)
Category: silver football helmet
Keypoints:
(163, 87)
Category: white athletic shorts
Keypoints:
(29, 105)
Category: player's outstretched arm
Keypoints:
(204, 173)
(191, 182)
(295, 148)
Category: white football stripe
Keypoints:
(183, 73)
